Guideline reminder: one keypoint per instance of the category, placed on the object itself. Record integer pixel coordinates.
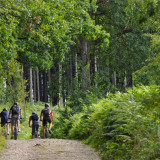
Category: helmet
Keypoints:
(33, 112)
(16, 103)
(4, 109)
(46, 105)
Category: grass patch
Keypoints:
(2, 142)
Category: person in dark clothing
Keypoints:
(47, 115)
(5, 119)
(35, 123)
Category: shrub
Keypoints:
(122, 126)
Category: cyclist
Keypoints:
(47, 115)
(35, 123)
(16, 112)
(5, 119)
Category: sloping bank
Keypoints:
(122, 126)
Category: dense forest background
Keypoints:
(74, 53)
(64, 50)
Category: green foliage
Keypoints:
(149, 74)
(61, 122)
(16, 86)
(81, 98)
(122, 126)
(8, 45)
(81, 126)
(2, 141)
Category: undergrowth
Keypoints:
(2, 141)
(121, 126)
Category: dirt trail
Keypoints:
(47, 149)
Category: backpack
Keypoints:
(34, 117)
(5, 115)
(15, 110)
(46, 112)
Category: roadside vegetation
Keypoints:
(2, 141)
(121, 126)
(97, 62)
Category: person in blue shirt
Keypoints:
(5, 119)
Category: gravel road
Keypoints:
(47, 149)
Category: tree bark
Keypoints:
(41, 86)
(95, 69)
(71, 74)
(84, 49)
(45, 87)
(60, 86)
(125, 80)
(49, 81)
(38, 89)
(34, 86)
(31, 86)
(132, 80)
(114, 79)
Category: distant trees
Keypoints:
(68, 49)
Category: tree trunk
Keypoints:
(76, 67)
(41, 85)
(84, 49)
(24, 102)
(95, 69)
(60, 86)
(38, 89)
(49, 81)
(132, 80)
(45, 87)
(34, 86)
(114, 79)
(71, 74)
(31, 86)
(125, 80)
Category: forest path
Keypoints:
(47, 149)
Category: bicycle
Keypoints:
(4, 130)
(36, 135)
(46, 131)
(15, 131)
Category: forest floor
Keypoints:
(47, 149)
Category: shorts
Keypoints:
(14, 118)
(35, 127)
(4, 122)
(45, 120)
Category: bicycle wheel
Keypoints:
(36, 134)
(5, 131)
(46, 132)
(15, 130)
(15, 133)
